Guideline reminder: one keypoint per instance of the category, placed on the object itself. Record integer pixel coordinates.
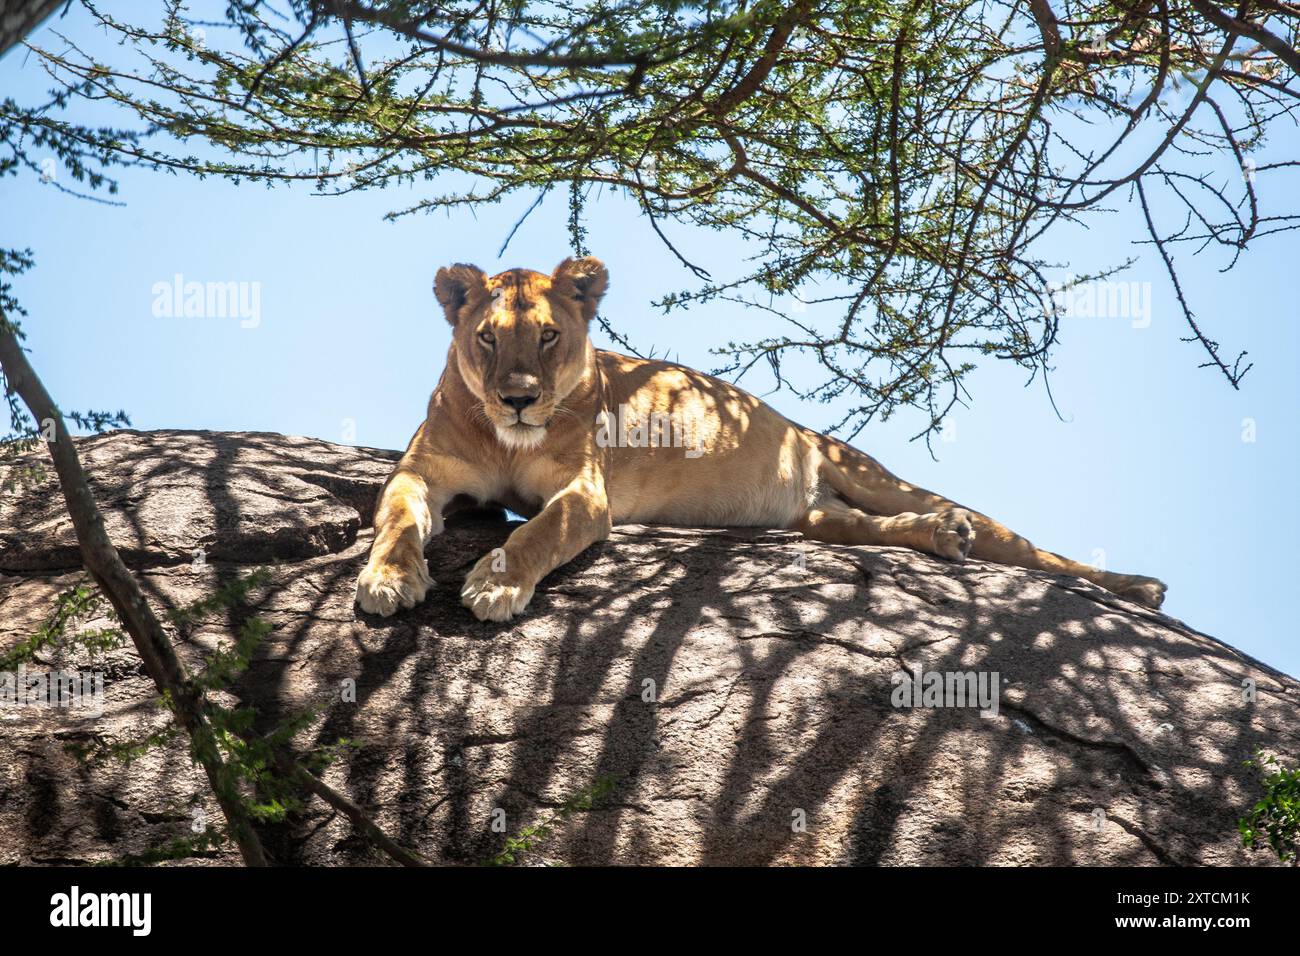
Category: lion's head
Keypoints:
(520, 337)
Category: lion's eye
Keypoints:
(487, 338)
(549, 335)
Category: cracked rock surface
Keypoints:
(734, 686)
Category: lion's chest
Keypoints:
(521, 504)
(525, 487)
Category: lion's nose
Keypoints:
(519, 402)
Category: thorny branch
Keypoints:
(185, 697)
(891, 167)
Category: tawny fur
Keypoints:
(516, 420)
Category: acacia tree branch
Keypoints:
(1230, 24)
(119, 586)
(20, 17)
(151, 642)
(1048, 25)
(776, 43)
(1234, 374)
(907, 156)
(412, 29)
(340, 802)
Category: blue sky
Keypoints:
(1146, 469)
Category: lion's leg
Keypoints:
(996, 542)
(502, 583)
(866, 484)
(396, 573)
(947, 534)
(409, 513)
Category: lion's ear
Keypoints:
(456, 285)
(583, 280)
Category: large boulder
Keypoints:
(735, 692)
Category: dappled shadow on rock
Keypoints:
(166, 495)
(733, 686)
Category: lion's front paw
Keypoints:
(954, 535)
(492, 595)
(1145, 591)
(383, 588)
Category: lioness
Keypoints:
(531, 416)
